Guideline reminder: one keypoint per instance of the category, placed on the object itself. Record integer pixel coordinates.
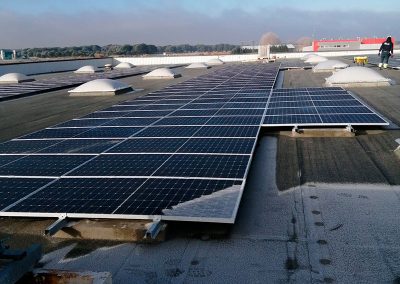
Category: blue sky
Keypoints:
(38, 23)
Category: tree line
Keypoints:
(122, 50)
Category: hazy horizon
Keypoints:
(46, 23)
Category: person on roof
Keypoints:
(385, 52)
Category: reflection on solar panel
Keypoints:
(318, 106)
(13, 91)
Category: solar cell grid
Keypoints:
(25, 146)
(14, 189)
(212, 166)
(86, 146)
(42, 165)
(110, 132)
(218, 145)
(158, 194)
(101, 196)
(129, 165)
(149, 145)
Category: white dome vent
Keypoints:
(307, 56)
(161, 73)
(124, 65)
(329, 66)
(15, 78)
(315, 59)
(198, 65)
(357, 76)
(86, 69)
(101, 87)
(215, 61)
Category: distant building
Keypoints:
(7, 54)
(345, 44)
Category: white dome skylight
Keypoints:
(215, 61)
(357, 76)
(161, 73)
(316, 59)
(197, 65)
(10, 78)
(102, 87)
(329, 66)
(86, 69)
(124, 65)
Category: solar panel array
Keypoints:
(182, 152)
(13, 91)
(318, 107)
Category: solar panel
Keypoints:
(165, 154)
(130, 165)
(42, 165)
(25, 146)
(14, 189)
(318, 107)
(83, 146)
(210, 166)
(218, 145)
(149, 145)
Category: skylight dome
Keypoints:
(161, 73)
(14, 78)
(329, 66)
(102, 87)
(215, 61)
(124, 65)
(197, 65)
(86, 69)
(357, 76)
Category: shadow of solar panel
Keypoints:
(149, 145)
(182, 121)
(110, 132)
(238, 120)
(43, 165)
(132, 165)
(212, 166)
(80, 195)
(218, 145)
(292, 119)
(131, 122)
(49, 133)
(168, 131)
(227, 131)
(25, 146)
(158, 194)
(14, 189)
(84, 146)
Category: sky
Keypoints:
(45, 23)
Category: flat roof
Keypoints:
(313, 209)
